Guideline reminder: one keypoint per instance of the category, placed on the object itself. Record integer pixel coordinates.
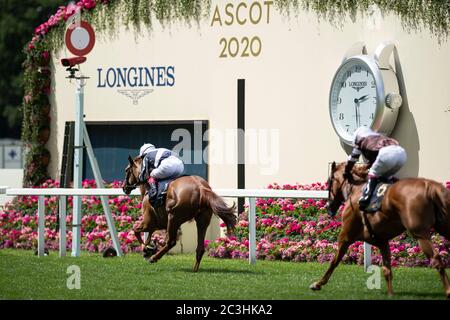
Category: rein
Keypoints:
(136, 184)
(347, 192)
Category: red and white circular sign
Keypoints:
(80, 38)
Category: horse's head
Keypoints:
(132, 172)
(337, 181)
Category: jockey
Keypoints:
(383, 154)
(158, 164)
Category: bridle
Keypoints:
(136, 184)
(330, 189)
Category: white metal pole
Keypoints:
(62, 226)
(252, 231)
(367, 256)
(41, 226)
(104, 199)
(78, 167)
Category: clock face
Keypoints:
(353, 98)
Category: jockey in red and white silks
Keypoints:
(383, 154)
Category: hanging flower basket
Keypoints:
(44, 134)
(44, 158)
(45, 110)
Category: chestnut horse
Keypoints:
(416, 205)
(188, 197)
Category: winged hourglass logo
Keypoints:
(136, 82)
(135, 95)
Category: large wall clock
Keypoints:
(364, 92)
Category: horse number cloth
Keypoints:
(377, 197)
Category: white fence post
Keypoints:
(252, 230)
(41, 225)
(62, 225)
(367, 256)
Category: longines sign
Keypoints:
(135, 82)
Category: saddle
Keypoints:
(162, 186)
(378, 194)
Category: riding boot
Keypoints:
(367, 193)
(152, 191)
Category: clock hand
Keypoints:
(363, 98)
(358, 118)
(356, 112)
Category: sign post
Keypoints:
(78, 166)
(80, 40)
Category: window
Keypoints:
(114, 141)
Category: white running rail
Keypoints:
(251, 194)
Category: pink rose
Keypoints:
(71, 9)
(87, 4)
(46, 55)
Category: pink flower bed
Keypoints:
(18, 221)
(302, 231)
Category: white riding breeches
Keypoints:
(390, 160)
(171, 167)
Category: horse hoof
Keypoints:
(315, 286)
(152, 260)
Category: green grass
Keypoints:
(25, 276)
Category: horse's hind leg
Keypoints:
(202, 220)
(436, 261)
(342, 249)
(387, 271)
(172, 231)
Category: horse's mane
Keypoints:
(360, 172)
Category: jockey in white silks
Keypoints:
(383, 154)
(158, 164)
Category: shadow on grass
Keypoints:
(219, 270)
(420, 295)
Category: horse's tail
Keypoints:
(220, 208)
(440, 197)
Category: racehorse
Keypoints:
(187, 198)
(416, 205)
